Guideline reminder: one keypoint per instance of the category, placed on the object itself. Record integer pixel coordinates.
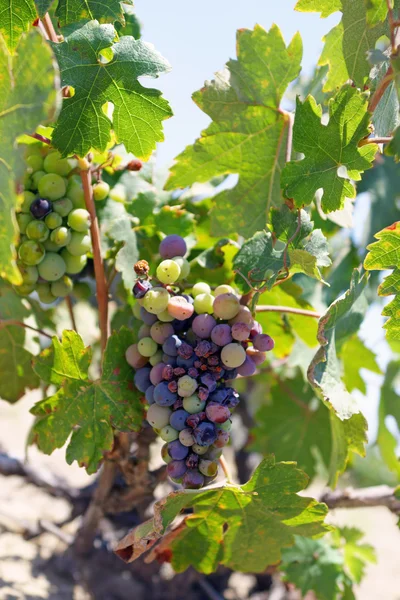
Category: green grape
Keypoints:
(156, 358)
(158, 416)
(200, 288)
(186, 386)
(73, 264)
(25, 289)
(53, 220)
(61, 236)
(168, 271)
(27, 201)
(36, 179)
(34, 149)
(199, 449)
(52, 267)
(35, 163)
(50, 246)
(79, 219)
(30, 275)
(37, 230)
(62, 287)
(193, 404)
(233, 355)
(44, 293)
(226, 306)
(156, 300)
(27, 180)
(31, 252)
(226, 426)
(82, 290)
(118, 193)
(53, 163)
(147, 347)
(52, 186)
(79, 244)
(75, 192)
(168, 433)
(23, 220)
(223, 289)
(100, 191)
(184, 266)
(164, 454)
(203, 303)
(63, 207)
(208, 468)
(136, 311)
(165, 317)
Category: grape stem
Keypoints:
(101, 282)
(380, 90)
(70, 307)
(14, 322)
(376, 140)
(225, 468)
(41, 138)
(48, 26)
(288, 309)
(379, 495)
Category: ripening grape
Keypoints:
(168, 271)
(134, 358)
(101, 191)
(147, 346)
(172, 245)
(156, 373)
(208, 468)
(203, 325)
(52, 186)
(193, 404)
(226, 306)
(233, 355)
(247, 368)
(156, 300)
(186, 437)
(165, 317)
(221, 335)
(40, 208)
(178, 419)
(79, 219)
(52, 267)
(169, 434)
(200, 288)
(223, 289)
(161, 331)
(142, 379)
(263, 342)
(186, 386)
(179, 308)
(176, 469)
(144, 331)
(240, 331)
(243, 316)
(156, 358)
(141, 288)
(158, 416)
(203, 303)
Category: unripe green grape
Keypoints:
(52, 267)
(37, 230)
(50, 246)
(223, 289)
(208, 468)
(36, 179)
(203, 303)
(147, 347)
(81, 289)
(34, 149)
(27, 201)
(199, 449)
(61, 236)
(53, 220)
(164, 454)
(27, 180)
(200, 288)
(118, 193)
(165, 317)
(156, 300)
(29, 275)
(168, 433)
(101, 191)
(156, 358)
(35, 163)
(23, 220)
(232, 355)
(193, 404)
(63, 206)
(53, 163)
(79, 219)
(184, 267)
(136, 311)
(31, 253)
(62, 287)
(226, 426)
(52, 186)
(75, 192)
(226, 306)
(44, 293)
(25, 289)
(73, 264)
(158, 416)
(168, 271)
(79, 244)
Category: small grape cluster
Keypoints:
(189, 348)
(53, 224)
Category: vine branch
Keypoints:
(288, 309)
(380, 495)
(380, 90)
(48, 26)
(10, 322)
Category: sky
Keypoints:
(198, 38)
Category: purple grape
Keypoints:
(40, 208)
(203, 348)
(192, 479)
(168, 372)
(192, 461)
(194, 420)
(263, 342)
(230, 374)
(149, 394)
(144, 331)
(209, 381)
(178, 419)
(159, 332)
(171, 345)
(147, 317)
(240, 332)
(173, 387)
(247, 368)
(221, 335)
(203, 325)
(217, 413)
(162, 395)
(176, 469)
(169, 360)
(142, 379)
(140, 289)
(177, 451)
(205, 434)
(255, 329)
(188, 298)
(192, 372)
(203, 393)
(222, 438)
(185, 350)
(185, 363)
(156, 374)
(172, 245)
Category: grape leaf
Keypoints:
(72, 11)
(121, 230)
(42, 6)
(248, 134)
(174, 219)
(386, 115)
(327, 148)
(242, 527)
(138, 111)
(16, 18)
(356, 356)
(347, 44)
(355, 555)
(132, 25)
(90, 410)
(292, 425)
(376, 11)
(28, 84)
(385, 254)
(389, 404)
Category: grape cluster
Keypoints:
(189, 348)
(53, 224)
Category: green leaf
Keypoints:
(389, 404)
(121, 231)
(385, 254)
(174, 219)
(348, 437)
(347, 44)
(28, 84)
(16, 18)
(42, 6)
(248, 134)
(132, 24)
(293, 425)
(72, 11)
(327, 148)
(138, 111)
(90, 410)
(356, 555)
(356, 356)
(393, 149)
(386, 115)
(258, 261)
(241, 527)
